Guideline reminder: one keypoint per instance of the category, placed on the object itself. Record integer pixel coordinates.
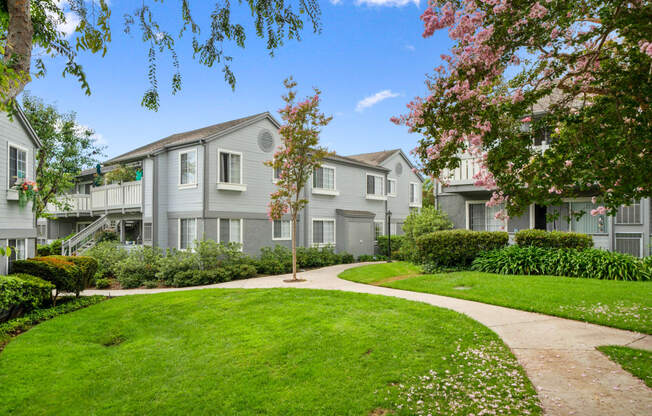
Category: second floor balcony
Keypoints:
(127, 196)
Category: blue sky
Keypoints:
(364, 49)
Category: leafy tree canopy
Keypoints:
(574, 76)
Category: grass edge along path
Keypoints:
(636, 362)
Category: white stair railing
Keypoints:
(74, 243)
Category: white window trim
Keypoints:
(12, 249)
(230, 186)
(468, 215)
(27, 172)
(383, 231)
(179, 234)
(607, 218)
(151, 226)
(395, 187)
(312, 243)
(382, 196)
(326, 191)
(188, 185)
(417, 195)
(282, 238)
(640, 208)
(274, 178)
(241, 231)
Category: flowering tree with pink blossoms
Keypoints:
(574, 74)
(299, 155)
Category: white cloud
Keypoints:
(335, 2)
(375, 99)
(71, 22)
(389, 3)
(410, 48)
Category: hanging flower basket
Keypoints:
(27, 191)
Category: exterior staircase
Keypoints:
(85, 239)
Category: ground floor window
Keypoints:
(483, 218)
(282, 230)
(147, 231)
(629, 243)
(41, 233)
(187, 233)
(18, 252)
(323, 232)
(587, 223)
(230, 230)
(379, 229)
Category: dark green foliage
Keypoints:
(217, 275)
(418, 223)
(553, 239)
(588, 263)
(140, 265)
(20, 293)
(369, 257)
(87, 265)
(457, 248)
(108, 255)
(397, 243)
(54, 248)
(106, 235)
(102, 283)
(18, 325)
(59, 270)
(277, 260)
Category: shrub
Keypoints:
(54, 248)
(87, 265)
(240, 271)
(58, 270)
(346, 258)
(553, 239)
(588, 263)
(277, 260)
(141, 265)
(211, 254)
(102, 283)
(397, 243)
(201, 277)
(108, 255)
(174, 262)
(317, 257)
(150, 284)
(369, 257)
(419, 223)
(107, 235)
(457, 248)
(20, 293)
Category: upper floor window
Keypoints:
(230, 167)
(323, 232)
(188, 167)
(324, 178)
(230, 230)
(375, 185)
(282, 230)
(629, 214)
(415, 194)
(391, 187)
(17, 165)
(187, 233)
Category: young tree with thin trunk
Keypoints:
(299, 155)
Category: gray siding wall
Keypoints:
(400, 205)
(181, 198)
(160, 201)
(14, 221)
(455, 206)
(148, 189)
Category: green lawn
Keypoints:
(619, 304)
(253, 352)
(637, 362)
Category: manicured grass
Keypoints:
(376, 272)
(626, 305)
(253, 352)
(637, 362)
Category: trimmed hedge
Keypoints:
(397, 243)
(553, 239)
(588, 263)
(86, 264)
(457, 248)
(20, 293)
(58, 270)
(278, 260)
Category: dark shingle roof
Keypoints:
(182, 138)
(374, 158)
(350, 160)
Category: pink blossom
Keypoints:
(568, 163)
(518, 96)
(526, 119)
(599, 211)
(537, 11)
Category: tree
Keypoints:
(299, 155)
(26, 24)
(428, 193)
(66, 149)
(577, 74)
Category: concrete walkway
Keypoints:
(559, 355)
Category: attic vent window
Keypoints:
(399, 168)
(265, 141)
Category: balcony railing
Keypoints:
(127, 195)
(74, 203)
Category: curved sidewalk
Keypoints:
(559, 355)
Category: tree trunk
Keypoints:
(294, 247)
(18, 49)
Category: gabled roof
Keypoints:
(187, 137)
(374, 158)
(355, 162)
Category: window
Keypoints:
(81, 225)
(375, 185)
(147, 231)
(230, 167)
(324, 178)
(587, 223)
(17, 252)
(187, 233)
(188, 168)
(17, 165)
(282, 230)
(391, 187)
(323, 232)
(277, 174)
(84, 188)
(629, 243)
(230, 230)
(629, 214)
(415, 197)
(483, 218)
(379, 229)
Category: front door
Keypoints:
(540, 220)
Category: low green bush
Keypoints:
(553, 239)
(397, 244)
(418, 223)
(107, 235)
(140, 265)
(310, 257)
(87, 265)
(588, 263)
(369, 257)
(20, 293)
(346, 258)
(277, 260)
(457, 248)
(54, 248)
(58, 270)
(108, 255)
(102, 283)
